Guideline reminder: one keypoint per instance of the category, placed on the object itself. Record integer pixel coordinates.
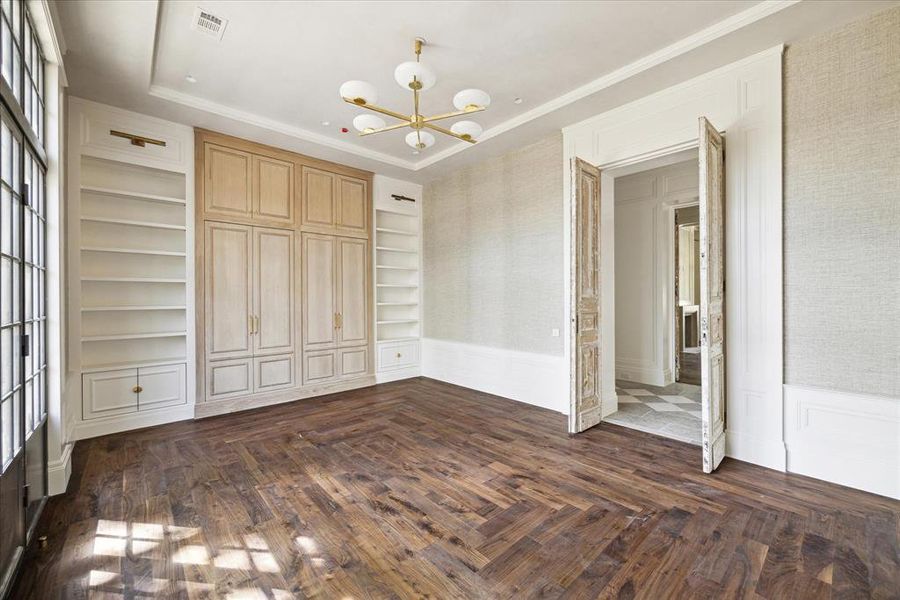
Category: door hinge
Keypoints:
(26, 194)
(26, 345)
(25, 495)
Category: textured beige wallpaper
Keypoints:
(493, 244)
(842, 208)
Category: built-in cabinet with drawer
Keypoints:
(284, 276)
(130, 277)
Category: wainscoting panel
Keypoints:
(845, 438)
(538, 379)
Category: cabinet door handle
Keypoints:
(256, 324)
(250, 321)
(137, 389)
(399, 355)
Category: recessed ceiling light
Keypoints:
(517, 101)
(326, 123)
(190, 79)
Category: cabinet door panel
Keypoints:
(273, 372)
(319, 366)
(229, 378)
(228, 289)
(353, 290)
(273, 189)
(109, 393)
(354, 361)
(319, 306)
(319, 202)
(353, 211)
(273, 274)
(227, 182)
(161, 386)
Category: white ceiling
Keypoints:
(274, 77)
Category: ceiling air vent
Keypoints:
(208, 23)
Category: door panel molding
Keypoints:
(585, 284)
(712, 293)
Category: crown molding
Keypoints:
(262, 122)
(692, 42)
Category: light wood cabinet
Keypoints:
(284, 267)
(273, 291)
(247, 187)
(227, 180)
(335, 291)
(273, 190)
(229, 290)
(352, 286)
(249, 308)
(333, 203)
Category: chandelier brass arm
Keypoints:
(415, 77)
(450, 133)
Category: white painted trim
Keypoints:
(842, 437)
(59, 471)
(138, 420)
(700, 38)
(718, 30)
(744, 99)
(397, 374)
(273, 125)
(537, 379)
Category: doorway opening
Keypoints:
(657, 297)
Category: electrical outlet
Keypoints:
(554, 332)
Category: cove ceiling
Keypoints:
(274, 76)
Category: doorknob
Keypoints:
(137, 389)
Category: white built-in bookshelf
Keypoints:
(133, 280)
(130, 275)
(397, 277)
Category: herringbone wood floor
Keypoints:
(422, 489)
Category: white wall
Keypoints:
(644, 269)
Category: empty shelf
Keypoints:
(129, 194)
(128, 308)
(131, 336)
(390, 249)
(133, 251)
(136, 279)
(393, 321)
(397, 231)
(129, 222)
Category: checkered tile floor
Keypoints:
(672, 411)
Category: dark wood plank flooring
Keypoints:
(420, 489)
(689, 371)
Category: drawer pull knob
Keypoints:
(137, 389)
(399, 355)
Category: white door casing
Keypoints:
(712, 293)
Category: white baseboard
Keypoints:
(846, 438)
(59, 471)
(397, 374)
(643, 373)
(609, 400)
(104, 426)
(765, 452)
(538, 379)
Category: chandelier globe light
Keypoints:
(416, 77)
(411, 75)
(359, 92)
(420, 139)
(471, 100)
(468, 130)
(368, 123)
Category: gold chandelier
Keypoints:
(415, 76)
